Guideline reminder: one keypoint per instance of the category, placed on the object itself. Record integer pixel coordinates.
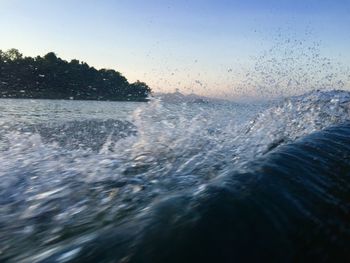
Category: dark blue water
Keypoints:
(163, 182)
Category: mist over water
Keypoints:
(291, 64)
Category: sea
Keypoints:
(162, 181)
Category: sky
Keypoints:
(206, 47)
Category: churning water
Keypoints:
(175, 182)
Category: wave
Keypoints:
(290, 205)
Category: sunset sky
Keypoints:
(196, 46)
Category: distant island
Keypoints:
(50, 77)
(178, 97)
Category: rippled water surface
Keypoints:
(72, 171)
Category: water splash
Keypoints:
(55, 189)
(292, 66)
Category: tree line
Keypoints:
(50, 77)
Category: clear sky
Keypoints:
(199, 46)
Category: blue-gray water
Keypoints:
(84, 181)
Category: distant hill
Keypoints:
(51, 77)
(178, 97)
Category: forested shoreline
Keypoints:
(50, 77)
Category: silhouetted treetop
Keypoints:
(50, 77)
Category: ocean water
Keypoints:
(84, 181)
